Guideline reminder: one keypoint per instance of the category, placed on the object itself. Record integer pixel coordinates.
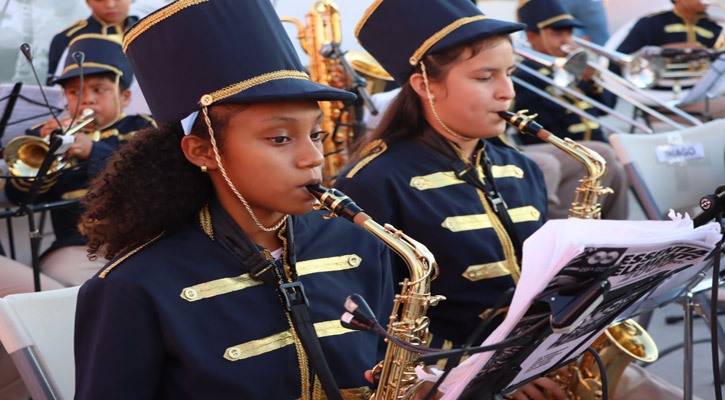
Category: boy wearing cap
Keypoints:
(108, 17)
(549, 28)
(106, 76)
(215, 252)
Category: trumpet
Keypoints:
(552, 61)
(25, 154)
(566, 71)
(647, 64)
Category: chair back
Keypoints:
(36, 329)
(673, 170)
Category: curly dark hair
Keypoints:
(148, 187)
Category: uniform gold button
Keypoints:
(519, 172)
(450, 224)
(417, 183)
(354, 261)
(535, 214)
(190, 293)
(206, 100)
(234, 353)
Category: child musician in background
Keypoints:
(108, 17)
(106, 76)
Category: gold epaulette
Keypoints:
(78, 25)
(372, 150)
(149, 119)
(131, 252)
(656, 13)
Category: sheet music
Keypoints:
(634, 252)
(34, 113)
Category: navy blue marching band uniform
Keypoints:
(667, 27)
(554, 117)
(184, 305)
(90, 25)
(102, 55)
(413, 186)
(183, 315)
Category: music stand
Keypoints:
(584, 288)
(25, 108)
(708, 87)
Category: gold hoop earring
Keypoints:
(203, 169)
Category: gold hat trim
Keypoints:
(93, 64)
(365, 17)
(431, 41)
(231, 90)
(111, 38)
(156, 17)
(547, 22)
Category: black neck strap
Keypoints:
(234, 239)
(467, 172)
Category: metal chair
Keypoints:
(673, 170)
(36, 329)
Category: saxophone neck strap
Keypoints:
(292, 293)
(468, 173)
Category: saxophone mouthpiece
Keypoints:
(335, 201)
(524, 123)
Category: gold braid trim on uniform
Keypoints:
(436, 37)
(486, 313)
(111, 38)
(503, 237)
(365, 17)
(75, 27)
(222, 286)
(231, 90)
(149, 119)
(282, 339)
(127, 255)
(205, 221)
(371, 150)
(160, 15)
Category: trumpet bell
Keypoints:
(25, 154)
(644, 69)
(365, 65)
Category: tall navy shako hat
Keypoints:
(102, 54)
(399, 33)
(195, 53)
(538, 14)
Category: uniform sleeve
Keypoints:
(635, 39)
(99, 157)
(118, 346)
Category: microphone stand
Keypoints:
(27, 208)
(332, 51)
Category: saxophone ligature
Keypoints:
(408, 322)
(622, 342)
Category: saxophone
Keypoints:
(407, 321)
(624, 341)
